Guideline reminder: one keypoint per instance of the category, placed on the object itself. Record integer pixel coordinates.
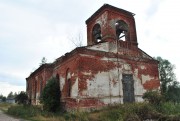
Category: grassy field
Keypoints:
(4, 106)
(121, 112)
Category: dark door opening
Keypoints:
(128, 88)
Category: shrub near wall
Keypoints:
(50, 97)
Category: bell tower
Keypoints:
(109, 24)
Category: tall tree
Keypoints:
(10, 95)
(166, 72)
(173, 92)
(51, 95)
(21, 98)
(3, 98)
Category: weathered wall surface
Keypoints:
(102, 78)
(36, 83)
(107, 20)
(94, 76)
(68, 70)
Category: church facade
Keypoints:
(111, 69)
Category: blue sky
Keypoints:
(32, 29)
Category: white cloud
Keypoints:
(6, 88)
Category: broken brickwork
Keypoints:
(111, 69)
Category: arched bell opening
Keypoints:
(122, 30)
(96, 34)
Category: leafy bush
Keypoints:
(51, 96)
(170, 108)
(21, 98)
(153, 97)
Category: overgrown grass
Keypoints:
(169, 108)
(5, 106)
(24, 111)
(35, 113)
(121, 112)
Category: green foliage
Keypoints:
(50, 97)
(166, 72)
(173, 92)
(10, 95)
(170, 108)
(170, 88)
(121, 112)
(76, 116)
(3, 98)
(153, 97)
(124, 112)
(21, 98)
(4, 106)
(24, 111)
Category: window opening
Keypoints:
(40, 85)
(35, 89)
(121, 30)
(96, 33)
(57, 78)
(69, 88)
(68, 83)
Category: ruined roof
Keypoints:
(107, 6)
(41, 67)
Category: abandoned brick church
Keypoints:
(110, 69)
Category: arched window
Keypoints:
(57, 78)
(96, 33)
(121, 30)
(41, 85)
(35, 90)
(68, 83)
(69, 88)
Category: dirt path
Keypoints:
(4, 117)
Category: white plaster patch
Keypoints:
(106, 84)
(139, 99)
(68, 75)
(115, 100)
(127, 67)
(100, 47)
(87, 73)
(138, 87)
(136, 72)
(74, 92)
(84, 55)
(99, 86)
(116, 83)
(62, 83)
(112, 100)
(146, 78)
(37, 95)
(143, 67)
(102, 20)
